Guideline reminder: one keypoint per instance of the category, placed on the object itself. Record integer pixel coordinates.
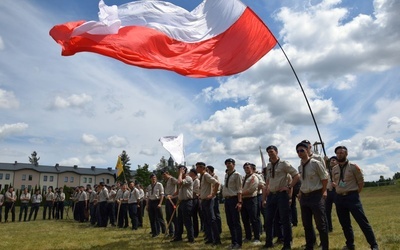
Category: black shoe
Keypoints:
(176, 240)
(268, 246)
(191, 240)
(216, 243)
(209, 242)
(155, 235)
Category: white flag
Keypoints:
(174, 145)
(262, 160)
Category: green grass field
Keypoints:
(381, 205)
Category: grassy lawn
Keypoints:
(381, 205)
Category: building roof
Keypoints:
(57, 169)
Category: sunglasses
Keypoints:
(300, 151)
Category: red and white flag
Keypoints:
(174, 145)
(217, 38)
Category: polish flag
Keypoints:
(217, 38)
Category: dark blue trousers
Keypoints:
(210, 221)
(351, 204)
(233, 220)
(251, 223)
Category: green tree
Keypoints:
(164, 165)
(126, 175)
(142, 175)
(396, 176)
(34, 160)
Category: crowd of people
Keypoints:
(259, 201)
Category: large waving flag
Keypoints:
(217, 38)
(119, 166)
(174, 145)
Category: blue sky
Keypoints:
(85, 109)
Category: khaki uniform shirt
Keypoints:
(125, 196)
(118, 196)
(1, 199)
(50, 196)
(141, 194)
(186, 189)
(280, 179)
(82, 196)
(170, 186)
(261, 182)
(232, 185)
(314, 173)
(196, 188)
(36, 198)
(10, 197)
(351, 177)
(250, 186)
(25, 197)
(111, 196)
(206, 185)
(133, 196)
(155, 192)
(103, 195)
(92, 196)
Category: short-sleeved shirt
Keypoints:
(196, 187)
(261, 182)
(25, 197)
(349, 179)
(282, 170)
(315, 172)
(155, 191)
(170, 186)
(118, 194)
(92, 196)
(111, 196)
(232, 185)
(83, 196)
(133, 196)
(50, 196)
(250, 186)
(103, 195)
(141, 193)
(206, 185)
(186, 189)
(36, 198)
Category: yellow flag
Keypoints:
(119, 167)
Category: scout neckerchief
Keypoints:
(342, 170)
(304, 169)
(273, 167)
(229, 176)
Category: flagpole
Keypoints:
(305, 96)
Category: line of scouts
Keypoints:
(193, 196)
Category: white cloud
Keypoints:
(7, 98)
(93, 161)
(70, 161)
(72, 101)
(89, 139)
(117, 141)
(7, 130)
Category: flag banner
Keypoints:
(263, 164)
(174, 145)
(217, 38)
(119, 166)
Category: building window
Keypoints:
(44, 177)
(24, 177)
(29, 187)
(30, 177)
(45, 189)
(1, 176)
(102, 179)
(51, 178)
(71, 179)
(90, 180)
(7, 176)
(66, 179)
(84, 180)
(22, 187)
(108, 181)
